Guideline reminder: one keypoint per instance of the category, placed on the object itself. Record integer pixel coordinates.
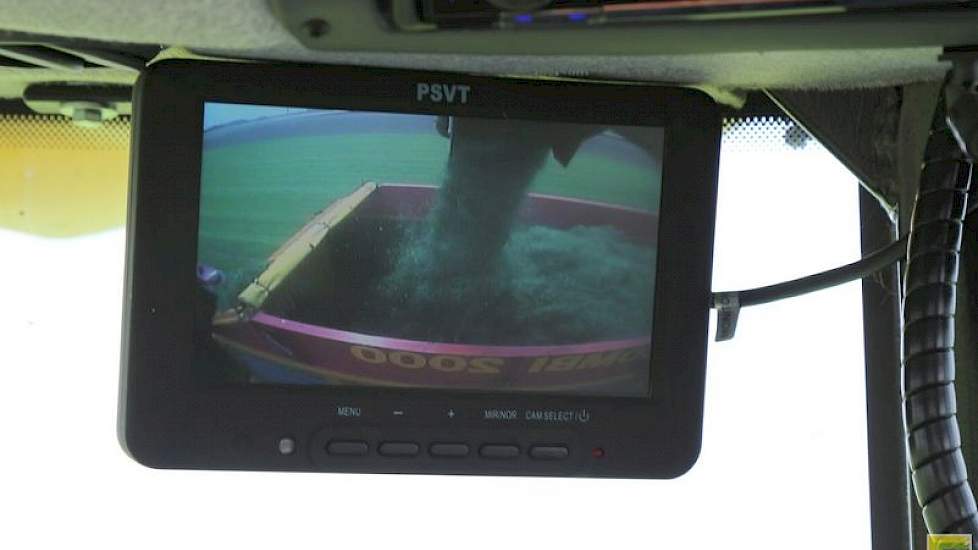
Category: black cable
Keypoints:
(864, 267)
(939, 472)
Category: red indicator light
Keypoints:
(597, 452)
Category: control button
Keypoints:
(549, 452)
(449, 450)
(499, 451)
(398, 448)
(347, 448)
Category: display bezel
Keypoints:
(168, 418)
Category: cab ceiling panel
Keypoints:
(27, 59)
(827, 49)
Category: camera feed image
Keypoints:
(386, 249)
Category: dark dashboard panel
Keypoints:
(403, 26)
(483, 13)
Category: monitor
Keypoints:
(349, 269)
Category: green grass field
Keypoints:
(257, 194)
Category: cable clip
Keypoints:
(727, 305)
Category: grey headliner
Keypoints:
(247, 28)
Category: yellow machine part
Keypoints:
(293, 251)
(62, 180)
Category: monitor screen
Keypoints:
(411, 250)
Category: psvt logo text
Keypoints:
(443, 93)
